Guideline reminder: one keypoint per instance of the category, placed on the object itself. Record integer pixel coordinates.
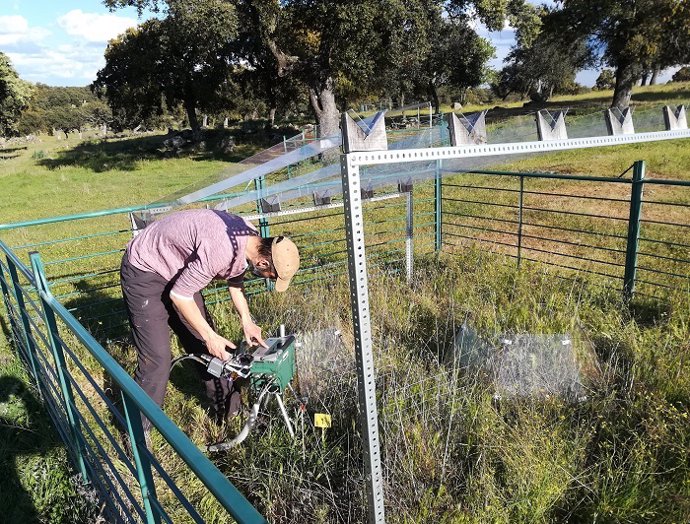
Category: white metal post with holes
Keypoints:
(361, 319)
(359, 290)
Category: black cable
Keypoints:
(192, 356)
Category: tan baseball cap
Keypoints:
(285, 260)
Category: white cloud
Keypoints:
(93, 27)
(14, 29)
(13, 24)
(65, 64)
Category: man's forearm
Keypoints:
(252, 332)
(192, 314)
(240, 302)
(215, 344)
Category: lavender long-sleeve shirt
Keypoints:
(192, 248)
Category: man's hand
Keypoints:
(214, 342)
(216, 345)
(252, 333)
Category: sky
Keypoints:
(62, 42)
(59, 42)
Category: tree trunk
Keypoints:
(190, 109)
(626, 76)
(272, 117)
(643, 80)
(655, 76)
(433, 93)
(463, 96)
(327, 115)
(325, 109)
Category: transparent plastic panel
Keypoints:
(299, 166)
(524, 365)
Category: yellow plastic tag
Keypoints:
(322, 420)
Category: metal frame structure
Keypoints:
(634, 230)
(361, 319)
(354, 196)
(358, 278)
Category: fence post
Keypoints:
(21, 305)
(264, 229)
(438, 208)
(364, 352)
(636, 198)
(137, 438)
(60, 364)
(521, 201)
(409, 245)
(263, 222)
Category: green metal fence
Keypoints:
(82, 253)
(131, 482)
(607, 227)
(65, 305)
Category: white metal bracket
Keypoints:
(357, 138)
(467, 130)
(675, 118)
(619, 122)
(551, 126)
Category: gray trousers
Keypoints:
(151, 316)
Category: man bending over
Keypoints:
(163, 271)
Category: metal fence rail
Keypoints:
(57, 351)
(82, 253)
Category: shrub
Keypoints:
(682, 75)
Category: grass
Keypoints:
(37, 484)
(584, 103)
(452, 451)
(659, 94)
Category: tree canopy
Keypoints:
(453, 55)
(632, 37)
(605, 80)
(340, 50)
(682, 75)
(184, 58)
(14, 97)
(63, 108)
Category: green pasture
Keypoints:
(452, 452)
